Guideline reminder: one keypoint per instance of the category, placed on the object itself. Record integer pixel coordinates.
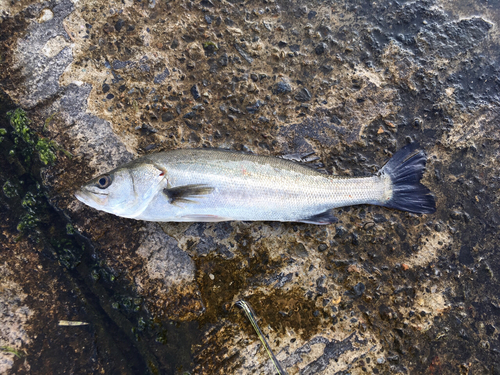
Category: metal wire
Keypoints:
(247, 309)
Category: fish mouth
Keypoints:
(91, 198)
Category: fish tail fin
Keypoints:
(405, 170)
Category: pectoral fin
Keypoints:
(184, 194)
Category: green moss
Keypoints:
(141, 324)
(20, 123)
(29, 143)
(9, 189)
(70, 229)
(29, 200)
(27, 222)
(211, 46)
(46, 151)
(2, 133)
(95, 275)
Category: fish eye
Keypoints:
(104, 181)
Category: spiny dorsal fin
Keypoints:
(183, 193)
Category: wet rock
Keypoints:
(453, 38)
(160, 250)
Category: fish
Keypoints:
(212, 185)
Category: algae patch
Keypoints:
(29, 143)
(222, 281)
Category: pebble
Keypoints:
(243, 53)
(195, 92)
(146, 129)
(298, 250)
(45, 15)
(320, 48)
(167, 116)
(254, 108)
(161, 77)
(322, 247)
(119, 25)
(311, 14)
(303, 95)
(359, 289)
(282, 87)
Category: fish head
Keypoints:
(125, 191)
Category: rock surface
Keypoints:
(381, 291)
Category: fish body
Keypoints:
(218, 185)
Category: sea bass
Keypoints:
(213, 185)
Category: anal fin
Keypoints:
(322, 218)
(184, 194)
(203, 218)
